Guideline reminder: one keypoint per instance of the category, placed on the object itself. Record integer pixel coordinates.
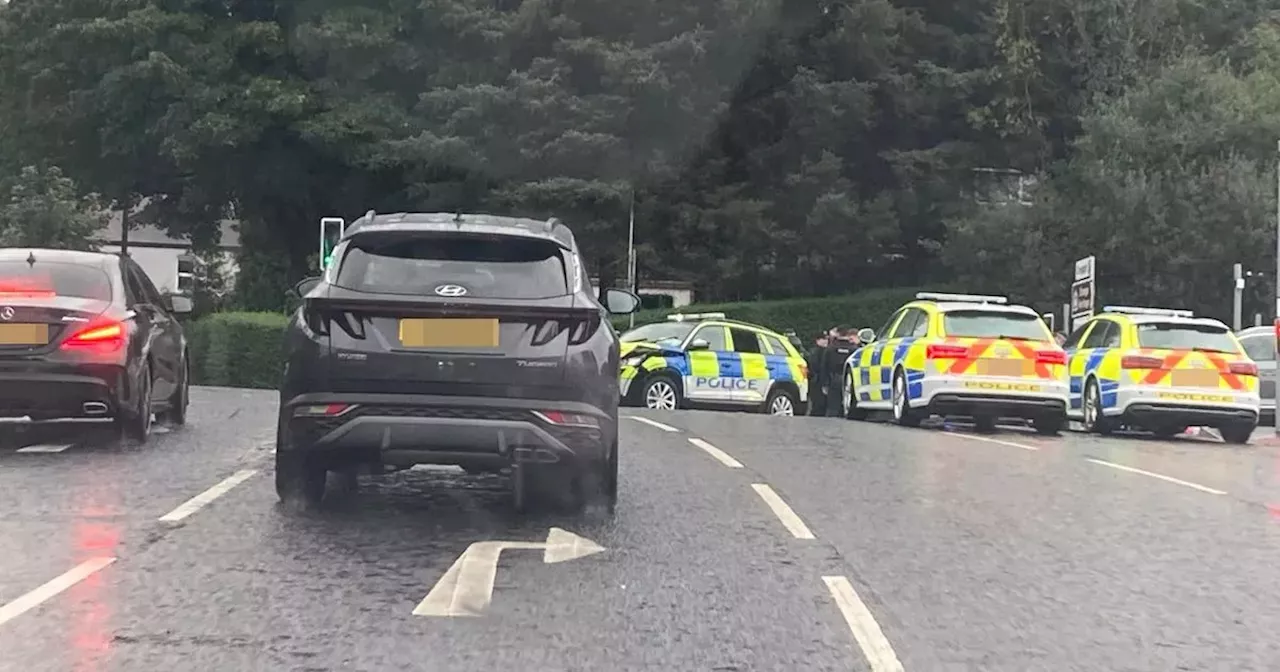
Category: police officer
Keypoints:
(839, 347)
(813, 358)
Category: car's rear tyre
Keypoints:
(1091, 410)
(849, 399)
(176, 414)
(300, 482)
(780, 402)
(135, 424)
(903, 414)
(661, 393)
(1237, 433)
(1049, 425)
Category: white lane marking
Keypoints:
(654, 423)
(785, 513)
(203, 499)
(1170, 479)
(989, 440)
(56, 585)
(50, 448)
(875, 648)
(724, 457)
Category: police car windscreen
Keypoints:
(50, 279)
(1182, 336)
(660, 331)
(496, 267)
(994, 324)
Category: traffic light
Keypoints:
(331, 229)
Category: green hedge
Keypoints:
(807, 317)
(244, 349)
(238, 349)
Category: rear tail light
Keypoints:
(1141, 362)
(1243, 368)
(565, 419)
(1051, 357)
(322, 410)
(102, 336)
(584, 329)
(941, 351)
(546, 332)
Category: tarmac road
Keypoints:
(742, 542)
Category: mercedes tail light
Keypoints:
(106, 336)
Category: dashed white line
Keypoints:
(203, 499)
(1170, 479)
(875, 647)
(51, 589)
(51, 448)
(990, 440)
(720, 455)
(653, 423)
(783, 511)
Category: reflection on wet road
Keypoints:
(742, 542)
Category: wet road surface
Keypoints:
(742, 542)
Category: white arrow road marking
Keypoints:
(875, 647)
(51, 448)
(466, 589)
(55, 585)
(653, 423)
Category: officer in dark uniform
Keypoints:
(813, 358)
(842, 344)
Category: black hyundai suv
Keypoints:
(468, 340)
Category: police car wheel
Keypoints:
(1094, 420)
(661, 394)
(849, 397)
(902, 411)
(1236, 433)
(780, 402)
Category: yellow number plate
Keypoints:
(1195, 378)
(449, 333)
(24, 334)
(1184, 396)
(1002, 387)
(1003, 367)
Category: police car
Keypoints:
(706, 359)
(1161, 370)
(959, 355)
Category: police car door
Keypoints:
(748, 367)
(708, 365)
(1084, 358)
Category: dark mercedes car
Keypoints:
(86, 337)
(468, 340)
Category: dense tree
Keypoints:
(770, 149)
(42, 208)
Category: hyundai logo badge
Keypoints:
(6, 313)
(451, 290)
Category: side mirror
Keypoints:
(305, 286)
(866, 335)
(700, 344)
(620, 302)
(179, 304)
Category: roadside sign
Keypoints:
(1082, 289)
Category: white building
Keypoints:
(159, 254)
(669, 293)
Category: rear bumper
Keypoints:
(988, 395)
(1197, 407)
(87, 394)
(403, 430)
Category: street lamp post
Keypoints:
(1277, 316)
(631, 254)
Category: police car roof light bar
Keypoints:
(686, 317)
(968, 298)
(1135, 310)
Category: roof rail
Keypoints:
(967, 298)
(1135, 310)
(694, 317)
(552, 223)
